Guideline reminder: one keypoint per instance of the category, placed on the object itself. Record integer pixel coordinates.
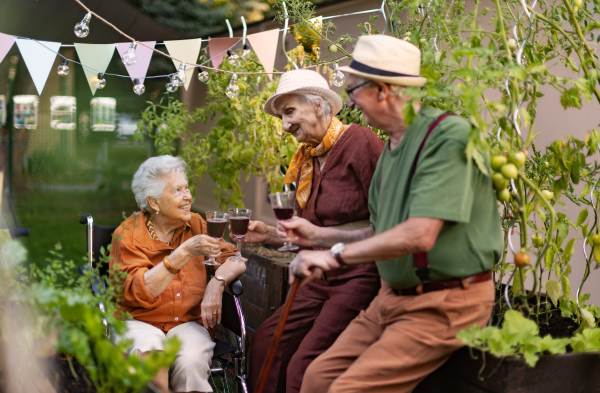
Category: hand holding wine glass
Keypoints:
(283, 206)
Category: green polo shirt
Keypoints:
(444, 186)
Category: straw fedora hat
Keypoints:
(304, 81)
(386, 59)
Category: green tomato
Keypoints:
(597, 253)
(548, 194)
(512, 44)
(596, 240)
(503, 195)
(499, 181)
(537, 240)
(575, 10)
(518, 158)
(498, 162)
(578, 3)
(333, 48)
(509, 171)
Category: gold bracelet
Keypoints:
(169, 267)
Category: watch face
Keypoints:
(337, 248)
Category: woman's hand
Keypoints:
(211, 307)
(202, 245)
(258, 232)
(298, 231)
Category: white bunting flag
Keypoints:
(186, 51)
(39, 57)
(95, 58)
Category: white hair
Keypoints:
(149, 180)
(397, 90)
(315, 100)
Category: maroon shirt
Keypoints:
(340, 190)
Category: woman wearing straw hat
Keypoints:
(332, 171)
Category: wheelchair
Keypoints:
(228, 371)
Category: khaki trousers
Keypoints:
(191, 368)
(399, 340)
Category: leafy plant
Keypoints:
(517, 337)
(60, 305)
(244, 139)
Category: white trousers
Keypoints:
(191, 368)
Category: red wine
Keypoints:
(216, 227)
(284, 213)
(239, 226)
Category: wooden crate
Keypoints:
(265, 288)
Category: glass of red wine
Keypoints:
(238, 223)
(283, 206)
(216, 222)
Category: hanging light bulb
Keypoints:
(338, 78)
(180, 77)
(232, 57)
(82, 29)
(172, 85)
(129, 58)
(63, 69)
(246, 52)
(203, 75)
(233, 90)
(100, 82)
(138, 87)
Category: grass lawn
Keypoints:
(53, 215)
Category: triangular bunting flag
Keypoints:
(143, 54)
(39, 57)
(217, 47)
(265, 46)
(6, 42)
(94, 58)
(186, 51)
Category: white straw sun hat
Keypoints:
(304, 81)
(386, 59)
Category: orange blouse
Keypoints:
(136, 252)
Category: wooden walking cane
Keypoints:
(264, 373)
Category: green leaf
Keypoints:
(583, 215)
(553, 290)
(568, 251)
(566, 285)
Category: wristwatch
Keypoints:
(221, 278)
(336, 252)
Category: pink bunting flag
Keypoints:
(6, 42)
(217, 48)
(265, 47)
(143, 54)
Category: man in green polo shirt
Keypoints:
(435, 234)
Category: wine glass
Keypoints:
(216, 222)
(238, 221)
(283, 206)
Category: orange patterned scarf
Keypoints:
(152, 231)
(304, 159)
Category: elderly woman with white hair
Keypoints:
(332, 170)
(167, 291)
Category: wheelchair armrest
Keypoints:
(84, 219)
(236, 287)
(98, 285)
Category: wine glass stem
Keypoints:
(238, 254)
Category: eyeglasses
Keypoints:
(350, 91)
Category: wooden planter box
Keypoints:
(265, 288)
(569, 373)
